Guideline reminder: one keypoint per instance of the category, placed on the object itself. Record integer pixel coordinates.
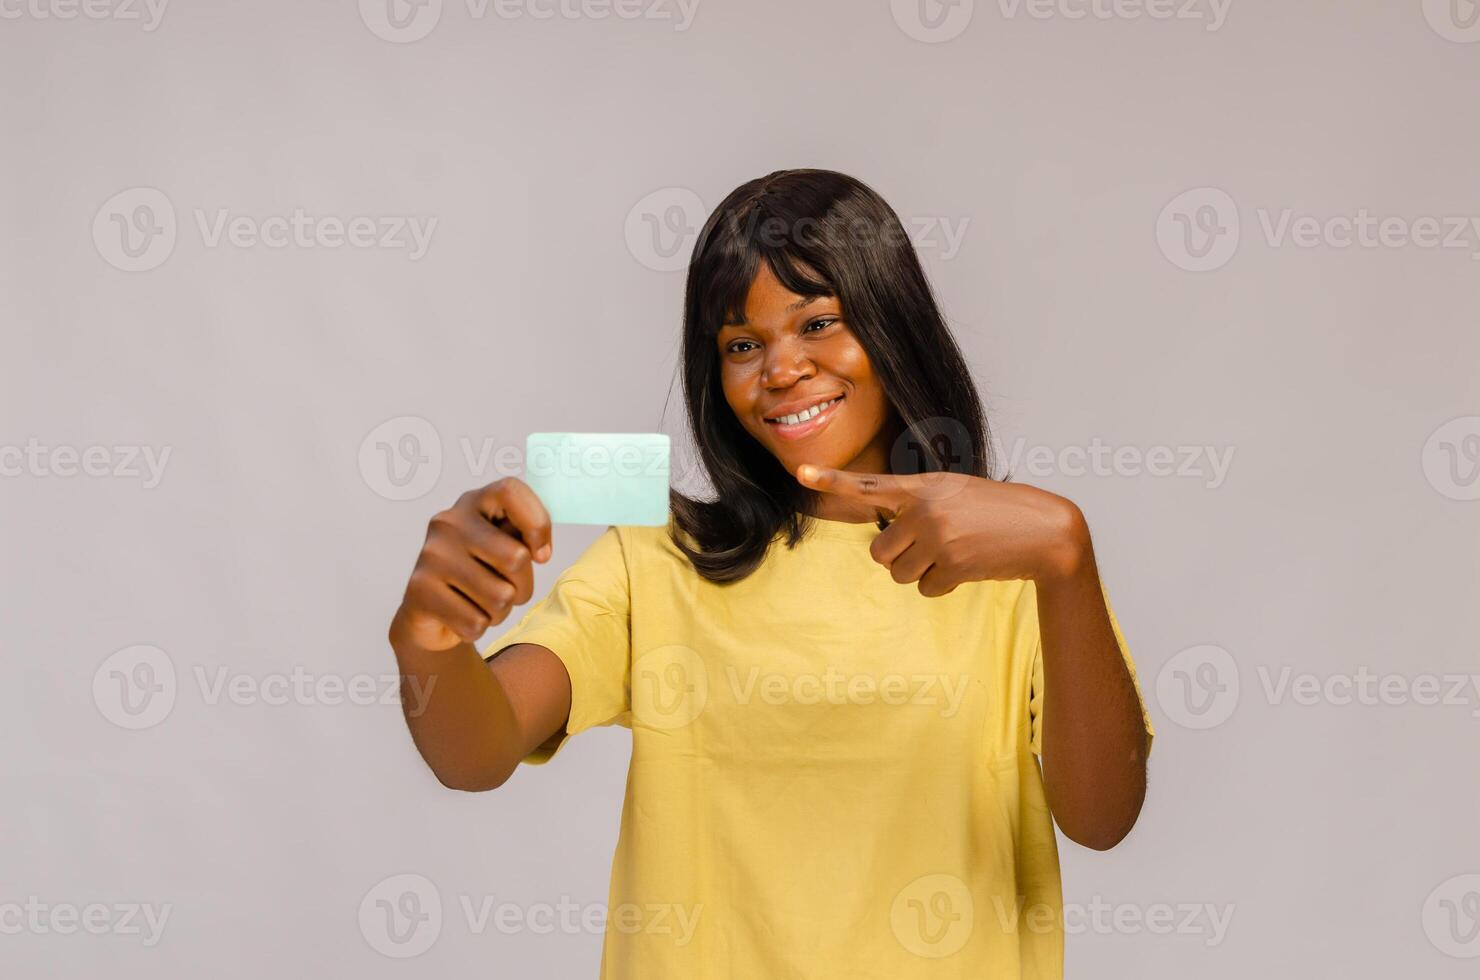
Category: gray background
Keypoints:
(1341, 540)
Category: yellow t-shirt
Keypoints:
(832, 775)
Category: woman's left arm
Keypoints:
(1094, 742)
(950, 528)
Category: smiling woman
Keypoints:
(836, 729)
(804, 289)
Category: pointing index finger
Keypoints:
(881, 489)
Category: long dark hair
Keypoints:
(822, 233)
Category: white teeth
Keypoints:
(810, 413)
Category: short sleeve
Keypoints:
(585, 620)
(1035, 697)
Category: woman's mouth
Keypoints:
(807, 421)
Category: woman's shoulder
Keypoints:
(649, 541)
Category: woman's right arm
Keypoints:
(473, 721)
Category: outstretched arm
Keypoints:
(474, 721)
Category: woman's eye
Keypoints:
(821, 324)
(735, 347)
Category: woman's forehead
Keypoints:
(768, 298)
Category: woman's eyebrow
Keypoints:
(802, 303)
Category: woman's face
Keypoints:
(792, 354)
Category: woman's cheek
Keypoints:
(737, 393)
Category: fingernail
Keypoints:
(543, 554)
(806, 472)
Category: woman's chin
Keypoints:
(821, 457)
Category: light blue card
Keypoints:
(600, 477)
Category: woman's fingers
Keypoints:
(911, 564)
(490, 591)
(429, 596)
(887, 492)
(912, 553)
(471, 572)
(512, 499)
(937, 582)
(892, 542)
(503, 554)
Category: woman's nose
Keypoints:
(785, 366)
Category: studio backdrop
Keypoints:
(281, 280)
